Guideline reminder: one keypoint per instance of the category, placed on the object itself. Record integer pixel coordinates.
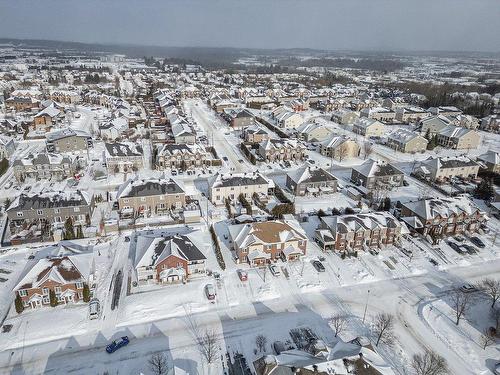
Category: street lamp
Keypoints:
(366, 305)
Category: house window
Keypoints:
(39, 212)
(57, 210)
(26, 303)
(23, 293)
(77, 209)
(80, 295)
(45, 291)
(19, 214)
(125, 201)
(143, 199)
(57, 289)
(79, 285)
(46, 300)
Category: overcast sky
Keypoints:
(455, 25)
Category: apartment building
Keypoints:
(340, 147)
(404, 140)
(377, 174)
(44, 166)
(368, 127)
(458, 138)
(311, 181)
(446, 168)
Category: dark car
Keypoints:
(433, 262)
(470, 249)
(224, 158)
(455, 247)
(117, 344)
(318, 265)
(477, 241)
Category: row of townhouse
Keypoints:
(275, 150)
(44, 166)
(142, 198)
(123, 157)
(446, 168)
(377, 174)
(314, 132)
(340, 147)
(448, 135)
(404, 140)
(286, 118)
(368, 127)
(311, 181)
(46, 211)
(349, 233)
(255, 134)
(443, 217)
(230, 186)
(184, 157)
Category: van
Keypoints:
(94, 308)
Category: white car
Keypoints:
(274, 270)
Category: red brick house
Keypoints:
(167, 260)
(66, 276)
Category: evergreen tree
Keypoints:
(19, 304)
(53, 298)
(86, 293)
(69, 231)
(79, 232)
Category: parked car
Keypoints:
(243, 275)
(455, 247)
(224, 158)
(210, 292)
(470, 249)
(318, 265)
(433, 262)
(8, 185)
(477, 241)
(94, 308)
(468, 288)
(117, 344)
(274, 270)
(459, 238)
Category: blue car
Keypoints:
(117, 344)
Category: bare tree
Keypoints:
(487, 338)
(491, 288)
(460, 303)
(208, 345)
(158, 364)
(339, 323)
(429, 363)
(261, 342)
(343, 152)
(367, 149)
(384, 328)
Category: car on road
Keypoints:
(210, 292)
(225, 158)
(117, 344)
(8, 185)
(274, 270)
(240, 161)
(468, 288)
(94, 308)
(318, 265)
(477, 241)
(433, 262)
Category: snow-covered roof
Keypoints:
(309, 174)
(443, 207)
(269, 232)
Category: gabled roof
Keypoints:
(147, 188)
(269, 232)
(491, 157)
(308, 174)
(372, 168)
(150, 250)
(62, 270)
(443, 207)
